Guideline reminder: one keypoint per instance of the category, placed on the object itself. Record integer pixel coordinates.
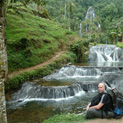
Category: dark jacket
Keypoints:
(103, 98)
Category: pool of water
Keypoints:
(43, 82)
(101, 64)
(38, 111)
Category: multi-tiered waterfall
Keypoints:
(106, 55)
(89, 22)
(82, 79)
(78, 79)
(70, 88)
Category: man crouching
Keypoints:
(101, 105)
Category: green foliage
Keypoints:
(31, 39)
(115, 31)
(66, 118)
(120, 44)
(38, 2)
(15, 82)
(79, 48)
(106, 11)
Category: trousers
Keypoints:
(94, 113)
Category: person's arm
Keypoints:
(98, 106)
(88, 106)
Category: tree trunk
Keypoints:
(122, 38)
(65, 11)
(113, 40)
(69, 22)
(117, 39)
(3, 64)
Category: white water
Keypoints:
(80, 31)
(106, 53)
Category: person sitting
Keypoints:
(101, 105)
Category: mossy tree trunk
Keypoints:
(3, 63)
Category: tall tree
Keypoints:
(3, 65)
(70, 7)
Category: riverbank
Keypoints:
(73, 118)
(105, 121)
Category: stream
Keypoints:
(67, 90)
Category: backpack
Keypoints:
(119, 105)
(117, 100)
(107, 106)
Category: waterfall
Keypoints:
(98, 26)
(47, 92)
(105, 53)
(86, 28)
(80, 31)
(90, 13)
(81, 80)
(115, 55)
(90, 16)
(100, 57)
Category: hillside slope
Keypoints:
(31, 39)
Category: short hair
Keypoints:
(103, 84)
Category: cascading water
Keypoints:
(86, 28)
(105, 54)
(80, 31)
(90, 13)
(99, 26)
(66, 90)
(89, 21)
(80, 79)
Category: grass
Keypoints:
(66, 118)
(31, 39)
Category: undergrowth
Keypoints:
(31, 39)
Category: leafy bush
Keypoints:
(79, 48)
(120, 44)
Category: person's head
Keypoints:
(101, 87)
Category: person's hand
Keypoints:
(88, 107)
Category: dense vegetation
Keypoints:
(32, 39)
(107, 11)
(109, 14)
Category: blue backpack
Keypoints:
(119, 105)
